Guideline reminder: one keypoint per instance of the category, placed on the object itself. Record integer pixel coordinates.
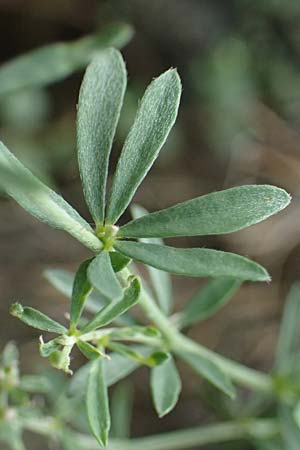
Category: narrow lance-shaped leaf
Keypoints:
(208, 300)
(54, 62)
(288, 346)
(100, 101)
(103, 278)
(116, 308)
(210, 371)
(165, 386)
(89, 350)
(161, 281)
(195, 262)
(40, 201)
(63, 281)
(217, 213)
(81, 289)
(97, 403)
(118, 261)
(115, 369)
(36, 319)
(154, 359)
(155, 117)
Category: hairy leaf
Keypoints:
(208, 300)
(54, 62)
(165, 386)
(116, 308)
(210, 371)
(36, 319)
(81, 289)
(195, 262)
(103, 277)
(216, 213)
(97, 403)
(40, 201)
(100, 101)
(155, 117)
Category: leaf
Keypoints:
(161, 281)
(116, 308)
(47, 348)
(210, 371)
(81, 289)
(194, 262)
(165, 386)
(63, 281)
(54, 62)
(36, 319)
(118, 261)
(103, 278)
(97, 403)
(60, 359)
(289, 337)
(100, 101)
(154, 119)
(208, 300)
(41, 202)
(154, 359)
(217, 213)
(121, 410)
(89, 350)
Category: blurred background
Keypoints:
(238, 123)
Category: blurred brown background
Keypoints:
(238, 123)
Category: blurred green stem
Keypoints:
(190, 437)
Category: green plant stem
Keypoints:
(182, 439)
(192, 437)
(179, 343)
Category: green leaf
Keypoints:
(89, 350)
(208, 300)
(116, 308)
(165, 386)
(63, 281)
(41, 202)
(154, 359)
(161, 281)
(154, 119)
(97, 403)
(118, 261)
(47, 348)
(289, 428)
(100, 101)
(103, 278)
(81, 289)
(217, 213)
(36, 319)
(60, 359)
(210, 371)
(288, 346)
(121, 410)
(54, 62)
(194, 262)
(115, 369)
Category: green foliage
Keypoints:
(155, 117)
(97, 403)
(216, 213)
(56, 61)
(194, 262)
(99, 106)
(108, 286)
(165, 386)
(208, 300)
